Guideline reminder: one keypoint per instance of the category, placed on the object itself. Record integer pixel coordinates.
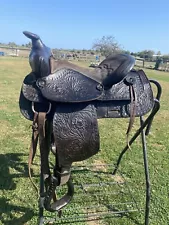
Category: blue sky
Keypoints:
(136, 25)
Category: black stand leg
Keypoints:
(147, 207)
(41, 208)
(138, 132)
(141, 131)
(158, 96)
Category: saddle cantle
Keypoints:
(64, 101)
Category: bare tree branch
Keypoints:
(106, 45)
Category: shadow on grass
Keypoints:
(12, 214)
(129, 215)
(12, 211)
(7, 162)
(12, 161)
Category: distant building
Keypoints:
(13, 51)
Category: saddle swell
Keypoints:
(71, 99)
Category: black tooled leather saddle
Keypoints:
(64, 101)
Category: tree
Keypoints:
(12, 44)
(106, 45)
(158, 62)
(146, 54)
(165, 58)
(126, 52)
(29, 45)
(92, 52)
(134, 53)
(159, 53)
(84, 51)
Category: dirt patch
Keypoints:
(93, 223)
(99, 165)
(118, 179)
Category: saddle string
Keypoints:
(33, 147)
(132, 112)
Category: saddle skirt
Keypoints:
(77, 102)
(69, 87)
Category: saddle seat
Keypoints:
(109, 72)
(70, 83)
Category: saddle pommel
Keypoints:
(39, 57)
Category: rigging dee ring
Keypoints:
(49, 109)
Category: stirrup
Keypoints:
(60, 203)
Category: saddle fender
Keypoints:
(76, 133)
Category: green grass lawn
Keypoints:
(18, 200)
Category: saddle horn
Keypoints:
(30, 35)
(39, 58)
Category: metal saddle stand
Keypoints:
(65, 101)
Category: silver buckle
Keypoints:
(33, 108)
